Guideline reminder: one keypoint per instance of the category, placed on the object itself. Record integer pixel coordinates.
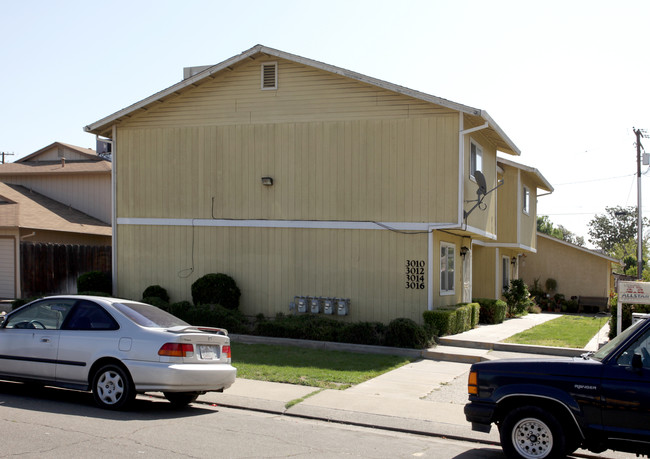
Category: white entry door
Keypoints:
(467, 278)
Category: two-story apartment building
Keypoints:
(497, 262)
(302, 179)
(60, 194)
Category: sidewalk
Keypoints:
(413, 398)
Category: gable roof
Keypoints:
(27, 209)
(579, 248)
(540, 180)
(494, 132)
(56, 168)
(89, 153)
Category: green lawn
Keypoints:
(310, 367)
(565, 331)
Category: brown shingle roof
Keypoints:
(35, 211)
(55, 167)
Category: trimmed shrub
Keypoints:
(307, 326)
(405, 332)
(216, 289)
(442, 320)
(95, 281)
(210, 315)
(492, 311)
(371, 333)
(517, 298)
(156, 291)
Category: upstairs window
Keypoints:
(447, 270)
(270, 75)
(475, 158)
(526, 200)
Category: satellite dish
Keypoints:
(480, 181)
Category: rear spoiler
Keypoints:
(192, 328)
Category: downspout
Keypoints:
(113, 209)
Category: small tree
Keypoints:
(517, 297)
(216, 289)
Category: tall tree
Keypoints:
(613, 231)
(544, 225)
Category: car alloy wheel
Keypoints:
(112, 387)
(530, 432)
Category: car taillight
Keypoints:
(176, 350)
(472, 383)
(226, 350)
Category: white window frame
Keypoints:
(445, 249)
(525, 197)
(505, 272)
(268, 64)
(475, 158)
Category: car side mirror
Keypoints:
(637, 361)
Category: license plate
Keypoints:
(209, 352)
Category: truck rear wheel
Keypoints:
(530, 432)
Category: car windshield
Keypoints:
(147, 315)
(612, 344)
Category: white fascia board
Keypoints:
(545, 184)
(500, 245)
(210, 71)
(577, 247)
(301, 224)
(502, 134)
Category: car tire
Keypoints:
(530, 432)
(180, 399)
(112, 387)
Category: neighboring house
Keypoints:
(497, 262)
(60, 195)
(578, 271)
(298, 178)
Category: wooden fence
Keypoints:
(54, 268)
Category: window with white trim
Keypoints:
(526, 200)
(447, 268)
(475, 158)
(270, 75)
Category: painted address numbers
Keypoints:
(415, 274)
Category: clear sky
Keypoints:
(566, 80)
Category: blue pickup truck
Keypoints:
(548, 408)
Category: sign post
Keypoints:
(630, 292)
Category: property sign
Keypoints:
(631, 292)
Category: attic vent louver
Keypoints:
(270, 75)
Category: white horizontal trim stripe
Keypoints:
(302, 224)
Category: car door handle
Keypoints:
(45, 340)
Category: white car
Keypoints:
(114, 348)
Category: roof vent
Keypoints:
(270, 75)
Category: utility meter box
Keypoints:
(315, 305)
(343, 306)
(329, 305)
(301, 303)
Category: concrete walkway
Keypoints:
(411, 398)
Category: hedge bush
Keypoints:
(453, 320)
(156, 291)
(405, 332)
(95, 281)
(210, 315)
(399, 333)
(626, 314)
(216, 289)
(492, 311)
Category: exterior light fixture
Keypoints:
(464, 251)
(267, 181)
(513, 261)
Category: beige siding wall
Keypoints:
(391, 171)
(483, 271)
(484, 220)
(58, 152)
(576, 271)
(507, 195)
(273, 265)
(528, 225)
(90, 194)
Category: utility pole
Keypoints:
(640, 133)
(3, 156)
